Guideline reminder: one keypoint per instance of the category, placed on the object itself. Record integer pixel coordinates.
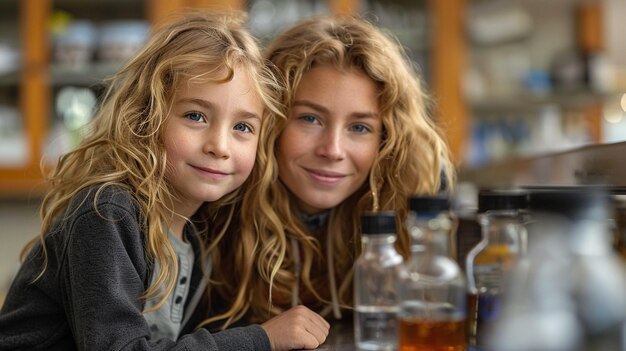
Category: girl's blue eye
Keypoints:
(243, 127)
(360, 128)
(195, 116)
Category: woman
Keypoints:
(357, 138)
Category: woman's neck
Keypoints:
(315, 221)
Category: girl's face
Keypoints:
(211, 137)
(331, 139)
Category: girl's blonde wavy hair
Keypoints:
(411, 159)
(124, 146)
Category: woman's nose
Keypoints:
(332, 145)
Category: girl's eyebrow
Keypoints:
(209, 106)
(323, 110)
(249, 115)
(202, 103)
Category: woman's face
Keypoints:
(331, 139)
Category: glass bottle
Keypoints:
(490, 262)
(432, 291)
(376, 283)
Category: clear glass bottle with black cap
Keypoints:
(432, 290)
(376, 283)
(489, 263)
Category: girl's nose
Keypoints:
(216, 143)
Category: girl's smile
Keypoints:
(212, 173)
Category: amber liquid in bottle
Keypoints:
(432, 335)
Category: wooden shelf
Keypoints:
(531, 103)
(21, 182)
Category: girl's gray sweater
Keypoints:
(89, 297)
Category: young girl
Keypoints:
(357, 138)
(119, 264)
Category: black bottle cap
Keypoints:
(572, 202)
(374, 223)
(433, 203)
(489, 200)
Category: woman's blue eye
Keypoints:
(360, 128)
(243, 127)
(195, 116)
(309, 119)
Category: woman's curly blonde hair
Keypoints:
(412, 158)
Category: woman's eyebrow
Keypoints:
(324, 110)
(312, 105)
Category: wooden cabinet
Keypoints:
(33, 101)
(37, 81)
(449, 49)
(34, 84)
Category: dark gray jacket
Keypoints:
(89, 296)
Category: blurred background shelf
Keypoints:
(90, 75)
(10, 79)
(576, 99)
(500, 72)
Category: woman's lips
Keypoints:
(325, 177)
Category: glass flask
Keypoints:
(432, 293)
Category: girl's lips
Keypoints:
(325, 177)
(212, 173)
